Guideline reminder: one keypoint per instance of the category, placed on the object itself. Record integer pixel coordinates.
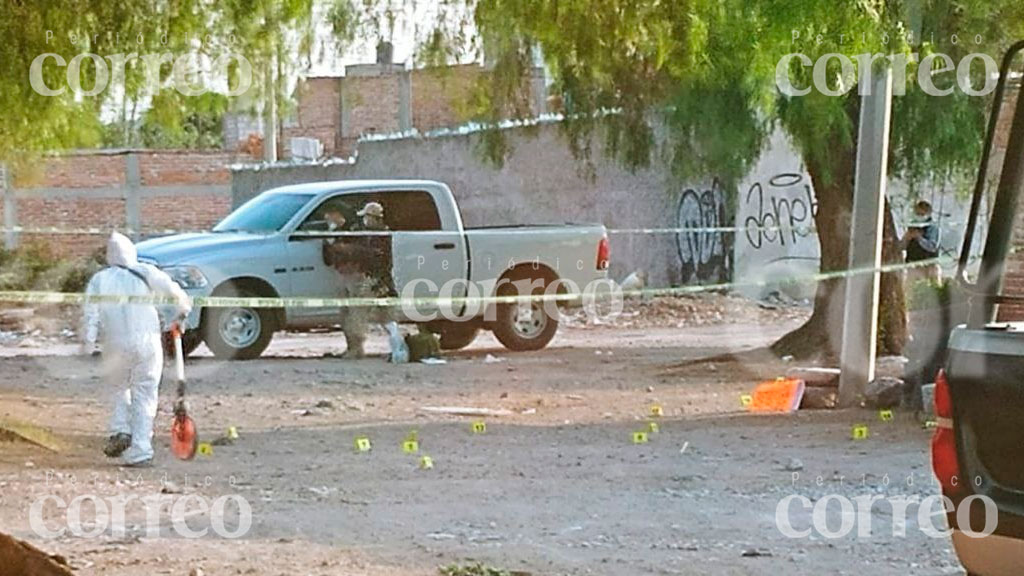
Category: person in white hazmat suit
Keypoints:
(132, 354)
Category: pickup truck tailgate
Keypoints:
(985, 371)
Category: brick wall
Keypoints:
(317, 114)
(146, 191)
(370, 99)
(372, 104)
(440, 96)
(1013, 280)
(168, 168)
(166, 212)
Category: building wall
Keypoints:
(317, 114)
(382, 99)
(91, 193)
(440, 97)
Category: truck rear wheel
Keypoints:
(238, 333)
(524, 326)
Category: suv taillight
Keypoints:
(603, 254)
(945, 463)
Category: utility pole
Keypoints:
(860, 314)
(270, 123)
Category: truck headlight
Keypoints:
(187, 276)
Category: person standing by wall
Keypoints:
(922, 243)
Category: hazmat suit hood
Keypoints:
(121, 251)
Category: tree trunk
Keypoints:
(821, 336)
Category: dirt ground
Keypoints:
(555, 486)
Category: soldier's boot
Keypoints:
(354, 349)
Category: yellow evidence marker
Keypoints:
(860, 432)
(410, 446)
(885, 415)
(479, 427)
(426, 463)
(639, 437)
(205, 448)
(656, 411)
(232, 433)
(363, 444)
(746, 400)
(654, 427)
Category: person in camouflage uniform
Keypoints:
(365, 265)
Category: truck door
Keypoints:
(430, 260)
(308, 275)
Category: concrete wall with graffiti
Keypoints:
(670, 231)
(776, 250)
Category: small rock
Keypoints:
(794, 465)
(324, 404)
(170, 488)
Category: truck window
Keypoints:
(404, 210)
(410, 210)
(264, 213)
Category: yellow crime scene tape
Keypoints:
(34, 297)
(155, 232)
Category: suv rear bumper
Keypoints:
(989, 556)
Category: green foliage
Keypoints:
(272, 34)
(929, 294)
(177, 121)
(35, 267)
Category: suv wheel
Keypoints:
(237, 333)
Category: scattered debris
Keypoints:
(465, 411)
(757, 553)
(884, 392)
(14, 430)
(794, 465)
(819, 398)
(491, 359)
(815, 377)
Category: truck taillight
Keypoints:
(603, 254)
(945, 463)
(943, 401)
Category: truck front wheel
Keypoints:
(238, 333)
(523, 326)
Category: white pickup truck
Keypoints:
(272, 245)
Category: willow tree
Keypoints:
(265, 32)
(706, 71)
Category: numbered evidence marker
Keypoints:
(746, 400)
(411, 446)
(232, 433)
(639, 437)
(885, 415)
(656, 411)
(860, 432)
(426, 463)
(479, 427)
(363, 444)
(654, 427)
(205, 448)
